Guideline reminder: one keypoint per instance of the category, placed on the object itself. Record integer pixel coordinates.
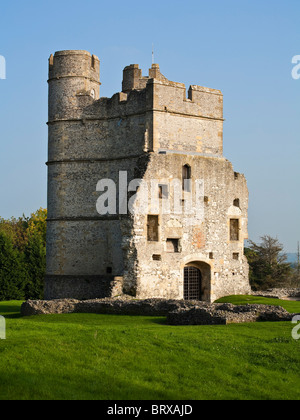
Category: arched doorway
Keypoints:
(192, 283)
(197, 281)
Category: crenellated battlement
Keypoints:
(159, 110)
(156, 93)
(162, 94)
(70, 63)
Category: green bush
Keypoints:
(13, 273)
(23, 256)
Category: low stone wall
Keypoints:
(279, 293)
(120, 306)
(178, 312)
(227, 313)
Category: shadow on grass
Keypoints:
(159, 321)
(107, 386)
(10, 309)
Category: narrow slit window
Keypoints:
(186, 178)
(93, 62)
(234, 229)
(152, 228)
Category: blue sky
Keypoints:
(244, 48)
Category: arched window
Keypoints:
(236, 202)
(186, 178)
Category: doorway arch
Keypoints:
(197, 281)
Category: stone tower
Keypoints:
(190, 243)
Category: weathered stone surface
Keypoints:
(227, 313)
(46, 307)
(124, 306)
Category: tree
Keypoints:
(35, 263)
(16, 230)
(12, 271)
(35, 255)
(268, 266)
(23, 256)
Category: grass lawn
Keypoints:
(108, 357)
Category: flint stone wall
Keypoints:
(178, 312)
(279, 293)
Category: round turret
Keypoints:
(72, 74)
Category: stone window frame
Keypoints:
(177, 247)
(238, 229)
(163, 191)
(186, 176)
(158, 227)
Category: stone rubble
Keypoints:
(279, 293)
(178, 312)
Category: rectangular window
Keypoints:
(236, 256)
(172, 245)
(152, 228)
(234, 229)
(163, 191)
(156, 257)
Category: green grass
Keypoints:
(89, 356)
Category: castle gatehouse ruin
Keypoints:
(141, 199)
